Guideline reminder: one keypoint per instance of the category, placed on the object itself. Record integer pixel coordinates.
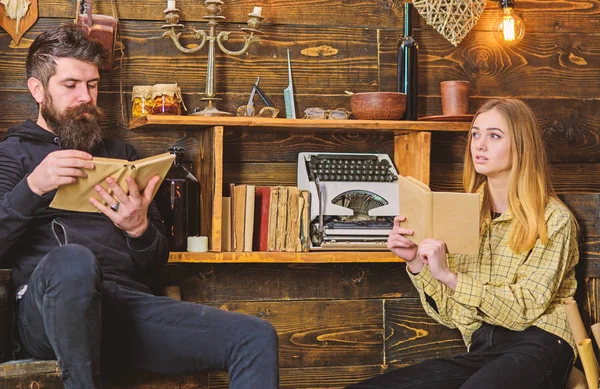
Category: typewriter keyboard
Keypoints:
(349, 167)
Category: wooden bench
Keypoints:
(46, 374)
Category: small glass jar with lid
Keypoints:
(141, 100)
(166, 99)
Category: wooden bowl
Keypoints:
(378, 105)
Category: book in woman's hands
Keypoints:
(450, 217)
(76, 196)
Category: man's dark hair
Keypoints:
(66, 41)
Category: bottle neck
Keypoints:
(407, 19)
(178, 159)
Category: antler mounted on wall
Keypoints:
(17, 17)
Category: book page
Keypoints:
(456, 221)
(144, 169)
(416, 206)
(75, 197)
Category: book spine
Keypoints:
(305, 221)
(249, 217)
(292, 232)
(239, 217)
(261, 218)
(273, 206)
(282, 209)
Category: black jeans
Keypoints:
(69, 314)
(498, 358)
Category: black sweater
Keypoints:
(27, 231)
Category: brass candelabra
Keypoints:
(213, 8)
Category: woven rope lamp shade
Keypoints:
(453, 19)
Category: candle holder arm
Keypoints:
(248, 41)
(198, 35)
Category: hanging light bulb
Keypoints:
(510, 29)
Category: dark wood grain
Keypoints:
(213, 283)
(151, 59)
(334, 377)
(246, 146)
(549, 16)
(340, 323)
(412, 336)
(550, 65)
(261, 173)
(569, 128)
(365, 62)
(566, 177)
(322, 333)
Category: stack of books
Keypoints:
(265, 218)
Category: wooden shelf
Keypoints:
(259, 123)
(273, 257)
(412, 148)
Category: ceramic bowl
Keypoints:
(378, 105)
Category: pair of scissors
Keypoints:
(249, 110)
(250, 104)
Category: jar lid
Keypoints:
(141, 91)
(169, 89)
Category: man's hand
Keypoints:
(59, 168)
(433, 252)
(132, 211)
(402, 246)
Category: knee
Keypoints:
(73, 263)
(264, 334)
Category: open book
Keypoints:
(449, 217)
(75, 197)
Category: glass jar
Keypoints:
(166, 99)
(141, 100)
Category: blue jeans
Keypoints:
(68, 313)
(498, 359)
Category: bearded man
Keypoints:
(82, 278)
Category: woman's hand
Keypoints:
(433, 253)
(402, 246)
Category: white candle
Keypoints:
(170, 4)
(257, 11)
(197, 244)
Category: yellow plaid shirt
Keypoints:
(499, 287)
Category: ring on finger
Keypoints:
(115, 206)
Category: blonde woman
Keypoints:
(506, 301)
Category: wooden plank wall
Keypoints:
(340, 323)
(555, 69)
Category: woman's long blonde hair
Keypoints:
(529, 180)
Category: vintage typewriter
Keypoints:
(354, 198)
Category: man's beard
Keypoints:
(77, 127)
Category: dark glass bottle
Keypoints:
(178, 200)
(408, 51)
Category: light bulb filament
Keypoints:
(508, 28)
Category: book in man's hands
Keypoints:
(76, 196)
(450, 217)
